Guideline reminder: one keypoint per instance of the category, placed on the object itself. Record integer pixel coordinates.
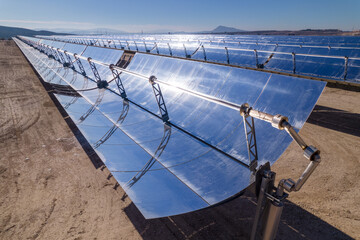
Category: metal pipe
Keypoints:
(271, 223)
(308, 171)
(290, 130)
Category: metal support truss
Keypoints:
(136, 47)
(170, 51)
(146, 49)
(186, 54)
(157, 49)
(118, 81)
(61, 57)
(250, 135)
(111, 131)
(81, 67)
(159, 99)
(164, 141)
(258, 65)
(69, 63)
(56, 55)
(100, 83)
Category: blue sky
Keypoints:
(186, 15)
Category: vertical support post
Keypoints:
(267, 182)
(256, 58)
(157, 49)
(346, 66)
(121, 46)
(159, 99)
(146, 49)
(170, 51)
(294, 62)
(203, 48)
(137, 49)
(114, 43)
(118, 81)
(227, 55)
(128, 46)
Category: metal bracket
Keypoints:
(81, 67)
(69, 62)
(100, 83)
(118, 81)
(250, 135)
(61, 57)
(159, 98)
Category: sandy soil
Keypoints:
(50, 189)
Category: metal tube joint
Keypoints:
(152, 79)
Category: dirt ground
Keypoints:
(50, 189)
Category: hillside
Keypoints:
(8, 32)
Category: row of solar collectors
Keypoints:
(336, 62)
(253, 41)
(186, 174)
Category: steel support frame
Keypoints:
(159, 99)
(250, 135)
(62, 58)
(118, 81)
(69, 61)
(81, 67)
(100, 83)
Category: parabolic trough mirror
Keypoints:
(170, 129)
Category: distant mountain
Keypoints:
(223, 29)
(8, 32)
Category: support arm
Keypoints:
(310, 152)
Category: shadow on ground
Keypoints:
(232, 220)
(336, 119)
